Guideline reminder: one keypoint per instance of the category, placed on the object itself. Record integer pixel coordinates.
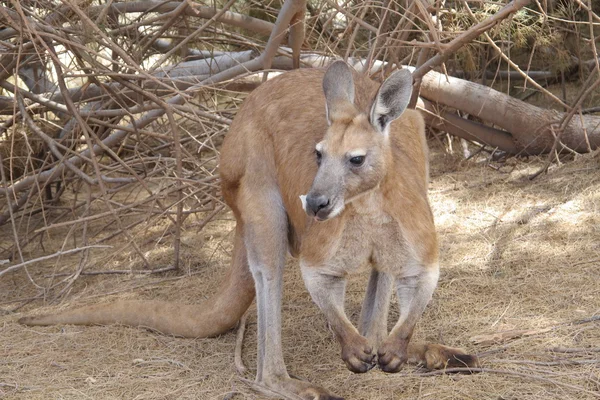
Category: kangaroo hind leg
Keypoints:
(265, 238)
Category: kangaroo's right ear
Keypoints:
(391, 100)
(338, 86)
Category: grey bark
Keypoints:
(532, 128)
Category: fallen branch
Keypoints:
(230, 18)
(466, 129)
(120, 272)
(530, 126)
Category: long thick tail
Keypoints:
(213, 317)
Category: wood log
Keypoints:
(532, 128)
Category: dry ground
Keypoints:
(516, 255)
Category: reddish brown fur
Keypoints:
(267, 162)
(292, 157)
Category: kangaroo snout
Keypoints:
(318, 205)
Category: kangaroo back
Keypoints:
(276, 132)
(330, 165)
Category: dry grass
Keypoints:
(517, 255)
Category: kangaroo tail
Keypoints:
(213, 317)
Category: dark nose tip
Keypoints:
(316, 203)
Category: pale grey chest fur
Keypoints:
(369, 237)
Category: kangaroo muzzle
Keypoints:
(318, 206)
(321, 207)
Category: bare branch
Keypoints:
(469, 35)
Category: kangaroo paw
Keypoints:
(392, 355)
(358, 355)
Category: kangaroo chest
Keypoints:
(367, 239)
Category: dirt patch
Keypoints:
(517, 256)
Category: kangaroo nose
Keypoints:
(316, 203)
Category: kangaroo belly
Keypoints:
(367, 241)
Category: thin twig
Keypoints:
(574, 349)
(57, 254)
(546, 363)
(470, 35)
(123, 272)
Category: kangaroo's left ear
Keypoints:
(338, 87)
(391, 100)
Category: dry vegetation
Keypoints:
(517, 256)
(141, 217)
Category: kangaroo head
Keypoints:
(352, 156)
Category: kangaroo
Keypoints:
(333, 168)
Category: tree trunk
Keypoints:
(533, 128)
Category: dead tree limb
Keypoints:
(230, 18)
(530, 126)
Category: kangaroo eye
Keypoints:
(319, 156)
(357, 161)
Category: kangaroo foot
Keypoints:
(296, 388)
(437, 356)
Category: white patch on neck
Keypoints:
(319, 146)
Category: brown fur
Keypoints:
(267, 162)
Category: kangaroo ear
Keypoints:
(338, 86)
(391, 100)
